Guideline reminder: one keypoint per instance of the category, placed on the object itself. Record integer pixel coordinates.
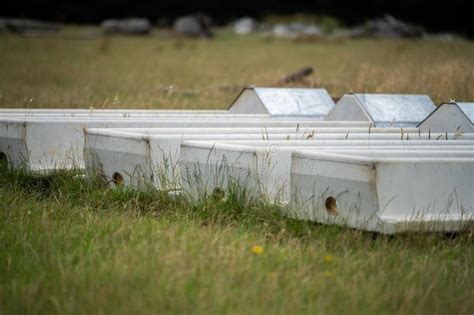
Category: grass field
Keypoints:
(162, 72)
(72, 246)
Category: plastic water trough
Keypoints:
(265, 170)
(41, 143)
(383, 192)
(148, 158)
(140, 154)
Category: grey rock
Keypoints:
(133, 26)
(387, 27)
(193, 26)
(27, 25)
(245, 25)
(296, 29)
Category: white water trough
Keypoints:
(384, 193)
(450, 117)
(141, 156)
(138, 115)
(151, 159)
(263, 167)
(275, 102)
(51, 112)
(275, 144)
(283, 102)
(383, 110)
(319, 127)
(52, 143)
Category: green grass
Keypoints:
(73, 246)
(68, 245)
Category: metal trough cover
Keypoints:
(450, 117)
(383, 110)
(283, 101)
(467, 109)
(396, 109)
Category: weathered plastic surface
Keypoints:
(112, 150)
(51, 143)
(265, 170)
(450, 117)
(284, 102)
(48, 145)
(127, 115)
(31, 112)
(383, 110)
(427, 193)
(105, 110)
(360, 142)
(244, 120)
(270, 133)
(306, 131)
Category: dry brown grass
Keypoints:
(162, 72)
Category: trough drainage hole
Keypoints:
(3, 156)
(331, 205)
(218, 193)
(118, 179)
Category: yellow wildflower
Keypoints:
(257, 250)
(328, 258)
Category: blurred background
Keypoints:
(181, 54)
(435, 16)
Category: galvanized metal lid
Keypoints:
(396, 109)
(290, 101)
(468, 110)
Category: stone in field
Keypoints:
(133, 26)
(387, 27)
(245, 25)
(193, 26)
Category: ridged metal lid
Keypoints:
(396, 110)
(295, 101)
(468, 109)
